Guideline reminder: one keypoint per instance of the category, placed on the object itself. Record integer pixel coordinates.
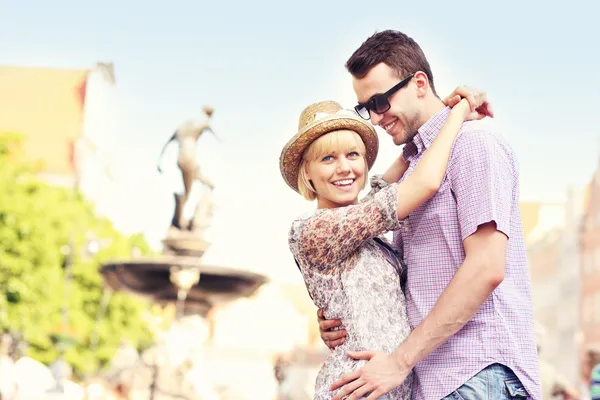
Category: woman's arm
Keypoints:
(395, 171)
(480, 108)
(428, 175)
(331, 235)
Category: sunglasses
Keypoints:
(380, 103)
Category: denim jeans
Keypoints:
(495, 382)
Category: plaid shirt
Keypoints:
(481, 185)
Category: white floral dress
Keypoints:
(348, 273)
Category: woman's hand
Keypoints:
(477, 99)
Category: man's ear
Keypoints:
(422, 83)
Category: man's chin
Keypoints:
(399, 140)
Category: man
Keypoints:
(468, 291)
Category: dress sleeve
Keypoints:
(331, 235)
(377, 183)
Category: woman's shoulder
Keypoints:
(302, 219)
(298, 225)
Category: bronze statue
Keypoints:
(187, 135)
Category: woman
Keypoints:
(349, 271)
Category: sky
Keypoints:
(260, 63)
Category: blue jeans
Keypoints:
(495, 382)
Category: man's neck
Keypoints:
(432, 107)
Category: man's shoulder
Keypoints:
(478, 137)
(473, 132)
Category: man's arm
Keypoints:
(482, 176)
(481, 272)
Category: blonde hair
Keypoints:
(342, 141)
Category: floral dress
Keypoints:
(349, 275)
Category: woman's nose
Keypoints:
(343, 165)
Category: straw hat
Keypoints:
(315, 121)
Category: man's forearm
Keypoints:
(468, 290)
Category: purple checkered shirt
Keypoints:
(481, 185)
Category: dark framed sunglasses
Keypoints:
(380, 103)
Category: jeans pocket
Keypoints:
(515, 389)
(454, 396)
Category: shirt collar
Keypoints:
(426, 133)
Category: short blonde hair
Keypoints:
(342, 141)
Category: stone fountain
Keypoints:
(179, 276)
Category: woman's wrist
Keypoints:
(463, 108)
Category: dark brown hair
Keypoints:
(393, 48)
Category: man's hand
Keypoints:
(379, 376)
(331, 338)
(470, 94)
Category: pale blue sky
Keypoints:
(260, 63)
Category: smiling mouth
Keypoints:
(388, 127)
(343, 182)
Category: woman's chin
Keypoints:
(344, 201)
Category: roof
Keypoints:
(47, 106)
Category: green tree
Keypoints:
(37, 224)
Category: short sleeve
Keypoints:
(483, 177)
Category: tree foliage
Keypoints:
(38, 222)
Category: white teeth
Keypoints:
(343, 182)
(389, 126)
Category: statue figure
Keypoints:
(202, 214)
(187, 135)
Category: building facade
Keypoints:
(589, 247)
(65, 115)
(554, 259)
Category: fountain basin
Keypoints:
(150, 278)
